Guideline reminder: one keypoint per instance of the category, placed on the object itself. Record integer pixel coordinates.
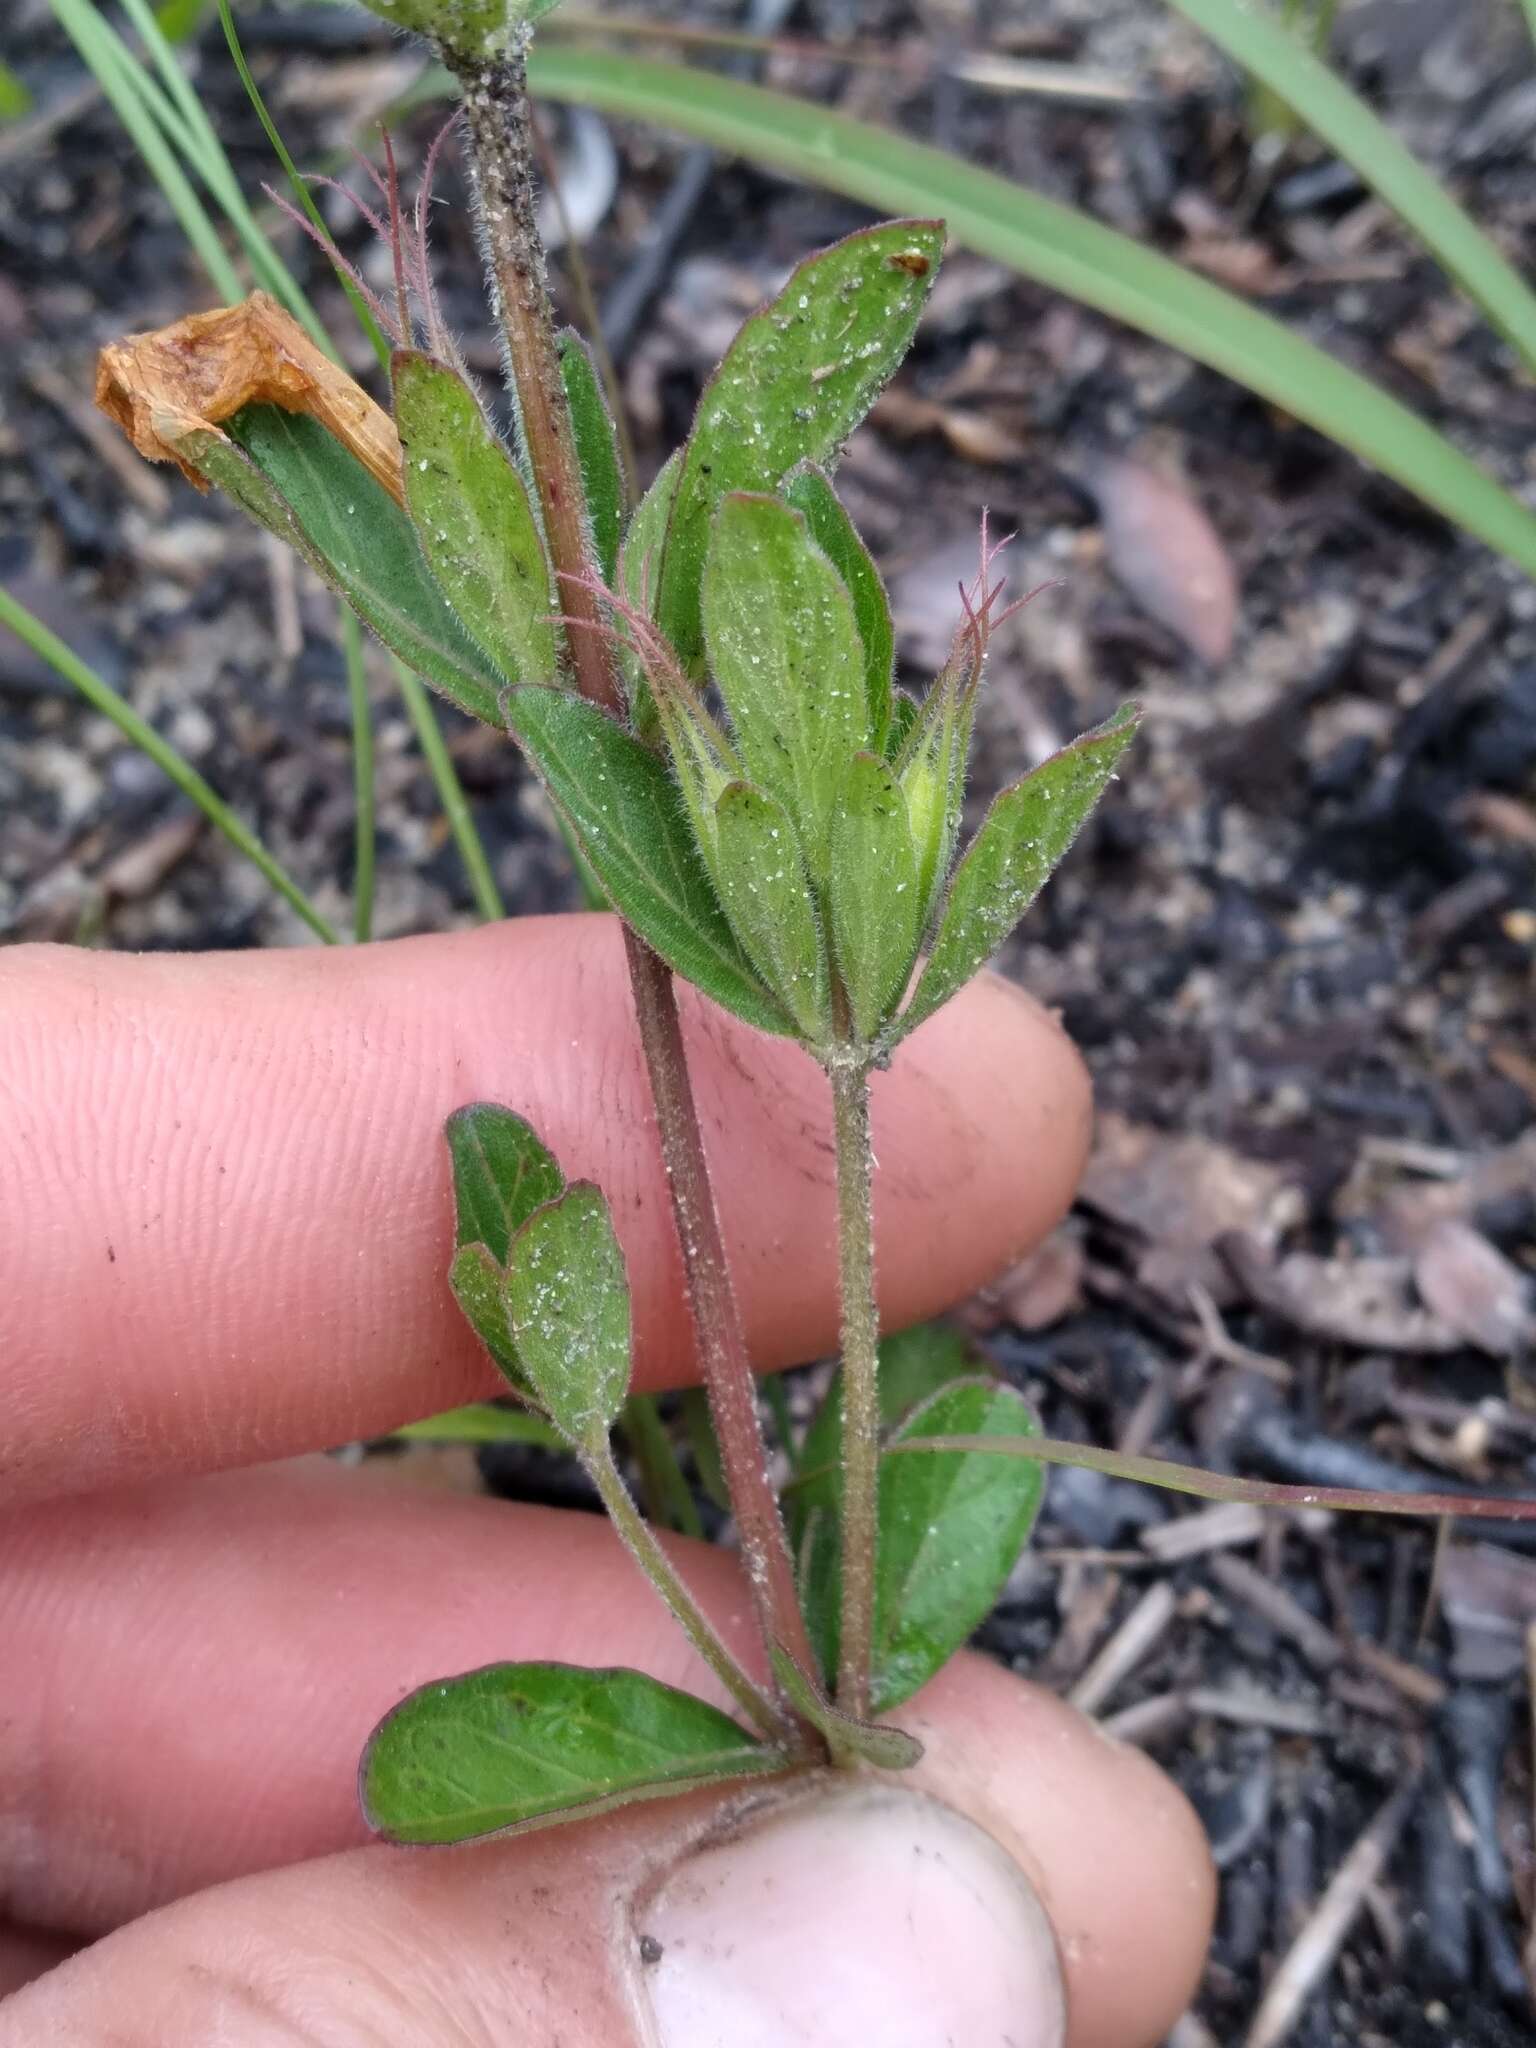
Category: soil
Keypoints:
(1298, 947)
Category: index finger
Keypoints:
(225, 1208)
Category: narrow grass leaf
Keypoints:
(1269, 51)
(784, 650)
(628, 816)
(568, 1304)
(1059, 247)
(473, 519)
(502, 1172)
(597, 450)
(519, 1746)
(767, 897)
(876, 904)
(810, 491)
(792, 387)
(1025, 833)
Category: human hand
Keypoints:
(224, 1228)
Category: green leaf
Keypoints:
(625, 810)
(792, 387)
(950, 1532)
(640, 575)
(520, 1746)
(876, 905)
(568, 1304)
(479, 1286)
(473, 519)
(483, 1422)
(905, 713)
(1059, 247)
(311, 492)
(1025, 833)
(502, 1172)
(597, 450)
(767, 897)
(463, 28)
(810, 491)
(705, 1446)
(849, 1741)
(912, 1365)
(785, 652)
(15, 95)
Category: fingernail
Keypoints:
(870, 1915)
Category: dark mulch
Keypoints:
(1297, 948)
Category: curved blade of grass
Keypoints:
(1261, 44)
(1224, 1486)
(103, 698)
(1058, 247)
(363, 835)
(450, 793)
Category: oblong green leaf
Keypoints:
(785, 653)
(767, 897)
(640, 574)
(950, 1532)
(568, 1305)
(877, 907)
(626, 812)
(1276, 56)
(1059, 247)
(521, 1746)
(474, 519)
(482, 1422)
(792, 387)
(358, 539)
(1025, 833)
(810, 491)
(502, 1172)
(479, 1286)
(597, 450)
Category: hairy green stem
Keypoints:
(658, 1568)
(861, 1386)
(496, 109)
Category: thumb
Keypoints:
(830, 1914)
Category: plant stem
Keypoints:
(658, 1568)
(849, 1075)
(501, 163)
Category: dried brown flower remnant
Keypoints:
(183, 379)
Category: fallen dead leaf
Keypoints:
(1369, 1302)
(1470, 1285)
(1038, 1291)
(1177, 1194)
(978, 436)
(178, 381)
(1165, 551)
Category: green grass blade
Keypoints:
(1283, 63)
(1058, 247)
(450, 793)
(362, 775)
(123, 85)
(103, 698)
(298, 185)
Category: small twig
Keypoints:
(1285, 1615)
(1307, 1962)
(1135, 1638)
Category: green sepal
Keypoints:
(810, 491)
(567, 1296)
(1025, 833)
(784, 650)
(848, 1741)
(474, 519)
(597, 450)
(502, 1172)
(793, 385)
(630, 820)
(876, 908)
(520, 1746)
(287, 472)
(951, 1526)
(766, 895)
